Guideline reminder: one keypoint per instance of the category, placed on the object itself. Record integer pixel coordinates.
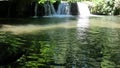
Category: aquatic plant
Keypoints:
(11, 48)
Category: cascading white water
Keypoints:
(63, 8)
(49, 9)
(62, 11)
(83, 9)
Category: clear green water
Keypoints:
(69, 42)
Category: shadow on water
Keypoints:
(39, 20)
(90, 46)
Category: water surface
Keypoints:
(68, 42)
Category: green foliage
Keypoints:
(105, 7)
(52, 1)
(117, 4)
(43, 1)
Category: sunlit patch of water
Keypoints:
(99, 22)
(82, 26)
(83, 23)
(21, 29)
(79, 60)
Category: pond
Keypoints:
(61, 42)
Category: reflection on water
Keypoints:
(74, 43)
(81, 59)
(82, 26)
(83, 22)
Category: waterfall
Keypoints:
(83, 9)
(35, 10)
(63, 9)
(49, 9)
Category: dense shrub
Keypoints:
(110, 7)
(117, 7)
